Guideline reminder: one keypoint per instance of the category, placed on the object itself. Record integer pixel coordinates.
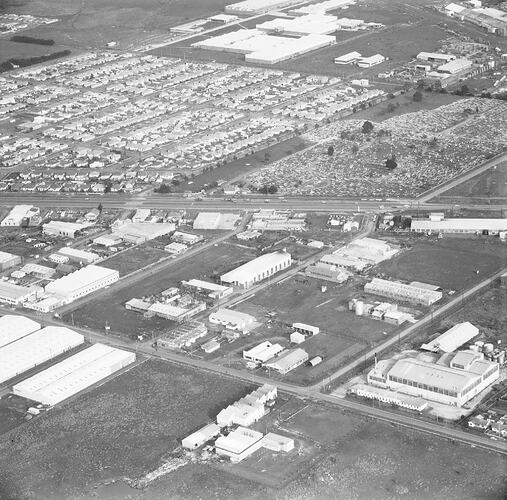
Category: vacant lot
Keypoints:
(134, 258)
(111, 306)
(451, 263)
(122, 428)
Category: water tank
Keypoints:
(488, 347)
(359, 308)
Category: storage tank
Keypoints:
(488, 348)
(359, 308)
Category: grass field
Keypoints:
(10, 50)
(111, 307)
(122, 428)
(450, 263)
(134, 258)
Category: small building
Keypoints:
(277, 442)
(141, 215)
(200, 437)
(308, 330)
(288, 360)
(16, 295)
(63, 229)
(186, 238)
(233, 320)
(349, 58)
(239, 444)
(297, 338)
(212, 290)
(8, 260)
(108, 240)
(210, 346)
(79, 256)
(176, 248)
(368, 62)
(262, 352)
(42, 272)
(317, 360)
(58, 258)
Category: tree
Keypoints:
(330, 150)
(465, 90)
(391, 163)
(100, 207)
(355, 148)
(367, 127)
(163, 188)
(390, 107)
(272, 189)
(417, 97)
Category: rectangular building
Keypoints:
(74, 374)
(17, 214)
(453, 338)
(82, 282)
(16, 294)
(233, 320)
(8, 260)
(258, 269)
(184, 335)
(81, 256)
(63, 229)
(435, 57)
(35, 349)
(251, 7)
(262, 352)
(212, 290)
(42, 272)
(239, 444)
(200, 437)
(13, 327)
(288, 360)
(469, 226)
(403, 292)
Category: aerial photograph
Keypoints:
(253, 249)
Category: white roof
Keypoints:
(454, 66)
(16, 214)
(65, 226)
(351, 56)
(264, 351)
(454, 7)
(247, 271)
(74, 374)
(36, 348)
(461, 224)
(312, 23)
(14, 292)
(435, 55)
(144, 229)
(206, 285)
(202, 435)
(79, 279)
(6, 257)
(230, 316)
(37, 268)
(79, 254)
(14, 327)
(288, 359)
(453, 338)
(238, 440)
(322, 7)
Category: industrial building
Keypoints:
(42, 272)
(18, 214)
(456, 66)
(305, 329)
(179, 309)
(459, 226)
(321, 7)
(175, 248)
(435, 57)
(349, 58)
(141, 215)
(211, 290)
(327, 272)
(74, 374)
(36, 348)
(239, 444)
(234, 320)
(16, 294)
(252, 7)
(108, 240)
(63, 229)
(82, 282)
(186, 238)
(263, 352)
(453, 338)
(14, 327)
(200, 437)
(184, 335)
(258, 269)
(317, 24)
(140, 232)
(400, 291)
(277, 442)
(215, 220)
(368, 62)
(388, 397)
(79, 256)
(8, 260)
(288, 360)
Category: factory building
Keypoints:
(16, 294)
(141, 232)
(400, 291)
(453, 338)
(288, 360)
(212, 290)
(234, 320)
(321, 7)
(8, 260)
(459, 226)
(42, 272)
(36, 348)
(108, 240)
(349, 58)
(184, 335)
(467, 375)
(200, 437)
(251, 7)
(389, 397)
(186, 238)
(457, 66)
(74, 374)
(18, 214)
(79, 256)
(141, 215)
(368, 62)
(327, 272)
(435, 57)
(262, 352)
(258, 269)
(318, 24)
(63, 229)
(175, 248)
(239, 444)
(215, 220)
(14, 327)
(277, 442)
(82, 282)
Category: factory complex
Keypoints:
(441, 225)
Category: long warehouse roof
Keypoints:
(14, 327)
(255, 266)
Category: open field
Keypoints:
(134, 258)
(450, 263)
(111, 307)
(10, 50)
(122, 428)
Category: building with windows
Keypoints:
(63, 229)
(80, 256)
(458, 225)
(82, 282)
(262, 352)
(258, 269)
(234, 320)
(288, 360)
(19, 213)
(8, 260)
(16, 294)
(400, 291)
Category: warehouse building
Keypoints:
(215, 220)
(349, 58)
(184, 335)
(368, 62)
(175, 248)
(239, 444)
(288, 360)
(453, 385)
(18, 214)
(277, 442)
(453, 338)
(141, 232)
(234, 320)
(186, 238)
(318, 24)
(459, 226)
(252, 7)
(35, 349)
(141, 215)
(262, 352)
(42, 272)
(16, 295)
(74, 374)
(8, 260)
(108, 240)
(457, 66)
(402, 292)
(435, 57)
(389, 397)
(82, 282)
(258, 269)
(177, 313)
(321, 7)
(200, 437)
(79, 256)
(14, 327)
(327, 272)
(63, 229)
(212, 290)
